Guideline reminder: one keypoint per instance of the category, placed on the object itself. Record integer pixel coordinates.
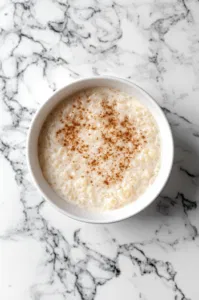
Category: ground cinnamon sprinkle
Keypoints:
(120, 140)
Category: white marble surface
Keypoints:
(44, 44)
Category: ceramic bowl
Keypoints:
(167, 151)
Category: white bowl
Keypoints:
(167, 151)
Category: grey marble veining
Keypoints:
(43, 46)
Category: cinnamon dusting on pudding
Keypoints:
(113, 132)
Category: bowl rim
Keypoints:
(28, 150)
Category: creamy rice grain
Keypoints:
(100, 149)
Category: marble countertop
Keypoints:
(45, 44)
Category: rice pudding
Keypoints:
(100, 149)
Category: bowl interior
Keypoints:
(130, 209)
